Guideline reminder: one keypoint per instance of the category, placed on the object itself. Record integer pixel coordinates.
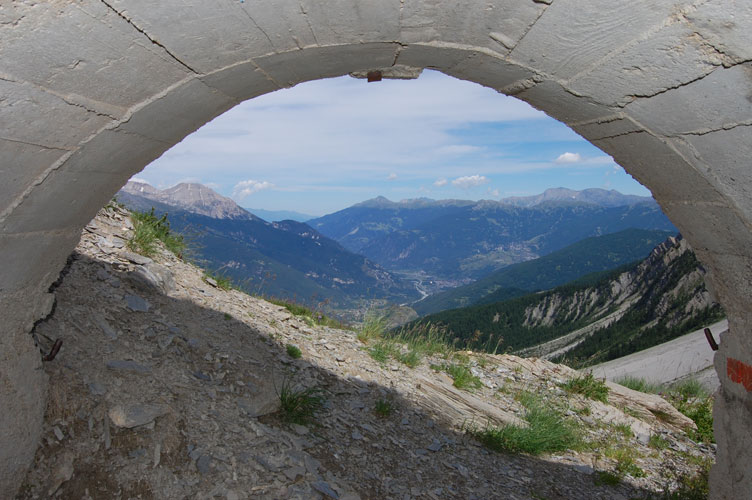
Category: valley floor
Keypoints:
(167, 387)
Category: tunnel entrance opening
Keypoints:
(661, 87)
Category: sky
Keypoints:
(325, 145)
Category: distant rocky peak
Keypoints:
(191, 197)
(593, 196)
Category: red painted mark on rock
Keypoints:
(739, 372)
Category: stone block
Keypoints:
(559, 103)
(495, 25)
(336, 22)
(20, 165)
(713, 227)
(290, 68)
(47, 251)
(724, 24)
(183, 110)
(242, 81)
(719, 100)
(205, 35)
(574, 36)
(106, 73)
(657, 165)
(23, 393)
(607, 127)
(726, 156)
(64, 200)
(30, 115)
(669, 58)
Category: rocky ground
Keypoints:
(166, 386)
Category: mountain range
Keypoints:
(287, 260)
(594, 320)
(458, 241)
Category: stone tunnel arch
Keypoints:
(92, 91)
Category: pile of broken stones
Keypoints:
(166, 386)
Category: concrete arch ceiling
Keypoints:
(92, 91)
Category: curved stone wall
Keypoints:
(92, 91)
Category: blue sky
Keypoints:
(325, 145)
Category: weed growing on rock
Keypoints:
(588, 386)
(220, 281)
(547, 431)
(462, 376)
(640, 384)
(299, 406)
(373, 327)
(293, 351)
(658, 442)
(383, 408)
(625, 461)
(148, 229)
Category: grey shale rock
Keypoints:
(128, 366)
(129, 416)
(136, 303)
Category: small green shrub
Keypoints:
(293, 351)
(148, 228)
(299, 406)
(410, 358)
(588, 386)
(690, 388)
(381, 351)
(640, 384)
(223, 282)
(227, 316)
(625, 461)
(462, 376)
(383, 408)
(547, 431)
(658, 442)
(624, 429)
(373, 327)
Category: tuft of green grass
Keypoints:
(293, 351)
(658, 442)
(462, 376)
(148, 229)
(625, 461)
(640, 384)
(381, 351)
(299, 406)
(223, 282)
(228, 316)
(588, 386)
(310, 317)
(624, 429)
(410, 358)
(383, 408)
(373, 328)
(690, 388)
(547, 431)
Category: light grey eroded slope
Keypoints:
(681, 358)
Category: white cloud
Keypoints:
(391, 176)
(247, 188)
(139, 179)
(470, 181)
(493, 192)
(440, 182)
(569, 158)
